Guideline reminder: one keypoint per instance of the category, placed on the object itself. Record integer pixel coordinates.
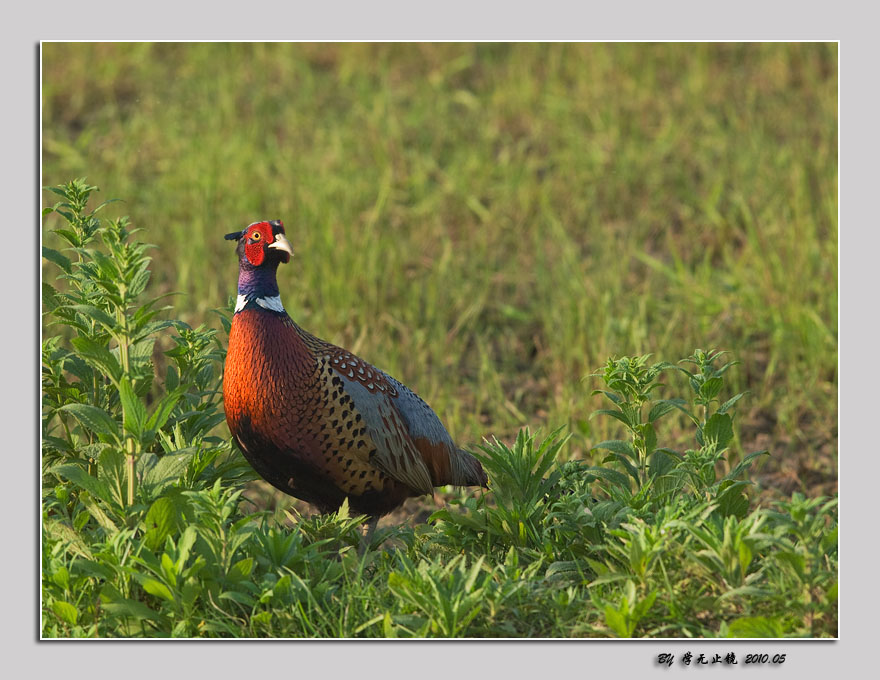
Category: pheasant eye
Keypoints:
(255, 236)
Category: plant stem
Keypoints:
(129, 466)
(123, 358)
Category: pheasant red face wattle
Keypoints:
(259, 237)
(255, 246)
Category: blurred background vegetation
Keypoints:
(490, 222)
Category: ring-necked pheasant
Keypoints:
(316, 421)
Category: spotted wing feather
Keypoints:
(396, 455)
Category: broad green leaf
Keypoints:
(79, 368)
(643, 607)
(731, 500)
(139, 281)
(744, 464)
(756, 627)
(616, 622)
(241, 569)
(796, 561)
(745, 557)
(832, 591)
(388, 629)
(169, 569)
(67, 234)
(160, 522)
(101, 517)
(226, 316)
(111, 468)
(135, 413)
(65, 611)
(564, 569)
(99, 357)
(718, 429)
(72, 539)
(57, 443)
(163, 409)
(98, 315)
(710, 389)
(743, 591)
(57, 258)
(727, 405)
(829, 541)
(663, 461)
(614, 414)
(664, 406)
(618, 446)
(141, 351)
(166, 470)
(93, 451)
(102, 204)
(51, 297)
(61, 578)
(145, 462)
(125, 607)
(617, 478)
(609, 577)
(613, 396)
(82, 517)
(631, 469)
(185, 543)
(93, 419)
(76, 474)
(241, 598)
(143, 333)
(109, 270)
(650, 437)
(172, 382)
(157, 588)
(241, 533)
(97, 569)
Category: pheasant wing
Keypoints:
(372, 394)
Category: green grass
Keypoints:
(489, 222)
(146, 531)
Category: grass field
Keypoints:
(489, 223)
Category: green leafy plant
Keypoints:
(96, 386)
(653, 475)
(624, 617)
(444, 598)
(522, 477)
(147, 530)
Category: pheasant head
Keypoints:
(262, 246)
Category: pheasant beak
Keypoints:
(281, 243)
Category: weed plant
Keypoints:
(145, 532)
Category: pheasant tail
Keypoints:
(467, 471)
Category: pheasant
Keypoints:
(316, 421)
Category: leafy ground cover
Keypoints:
(145, 532)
